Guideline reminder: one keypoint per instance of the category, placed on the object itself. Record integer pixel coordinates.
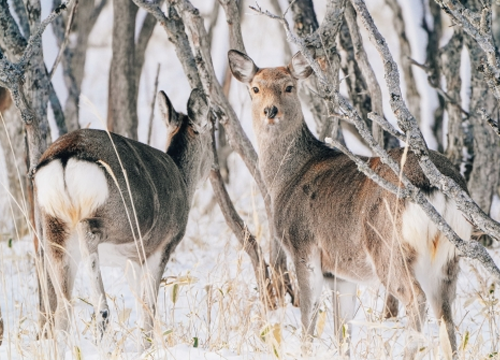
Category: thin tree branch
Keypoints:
(438, 88)
(153, 103)
(364, 167)
(372, 84)
(22, 14)
(142, 42)
(12, 41)
(212, 19)
(241, 231)
(490, 121)
(36, 37)
(478, 25)
(387, 126)
(302, 44)
(63, 44)
(412, 94)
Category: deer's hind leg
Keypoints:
(344, 305)
(395, 269)
(61, 257)
(90, 236)
(442, 295)
(152, 272)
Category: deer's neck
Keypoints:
(282, 157)
(189, 171)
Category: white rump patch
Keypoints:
(71, 194)
(50, 190)
(434, 250)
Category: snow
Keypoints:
(217, 302)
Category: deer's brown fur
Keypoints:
(100, 190)
(5, 99)
(340, 227)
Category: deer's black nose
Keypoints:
(271, 112)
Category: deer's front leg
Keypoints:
(152, 273)
(310, 280)
(90, 235)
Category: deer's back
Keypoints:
(152, 180)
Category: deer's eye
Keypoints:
(255, 90)
(289, 89)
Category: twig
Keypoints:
(361, 57)
(153, 102)
(412, 94)
(401, 192)
(66, 40)
(37, 34)
(479, 27)
(387, 126)
(490, 121)
(438, 88)
(291, 37)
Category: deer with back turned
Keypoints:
(338, 226)
(101, 190)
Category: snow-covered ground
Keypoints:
(208, 306)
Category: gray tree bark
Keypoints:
(74, 52)
(12, 140)
(126, 67)
(122, 91)
(485, 147)
(412, 94)
(450, 62)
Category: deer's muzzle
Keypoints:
(270, 112)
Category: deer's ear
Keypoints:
(299, 67)
(167, 110)
(197, 108)
(242, 67)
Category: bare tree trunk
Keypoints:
(14, 150)
(1, 327)
(122, 92)
(368, 83)
(450, 59)
(434, 32)
(74, 53)
(412, 95)
(484, 177)
(304, 17)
